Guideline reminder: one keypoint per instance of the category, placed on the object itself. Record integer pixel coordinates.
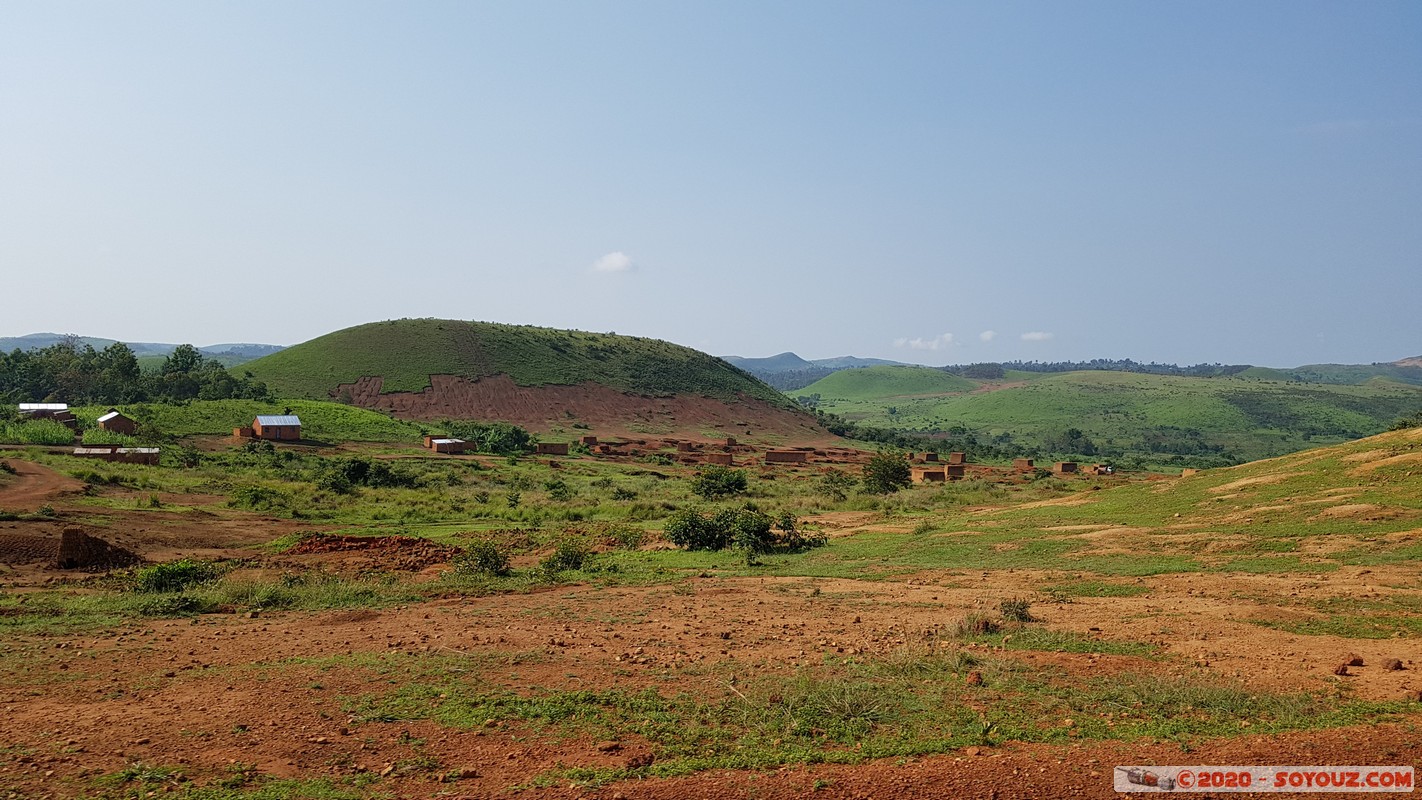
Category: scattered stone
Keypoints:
(641, 761)
(609, 746)
(974, 678)
(972, 751)
(1392, 665)
(1341, 669)
(1354, 660)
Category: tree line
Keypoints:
(74, 372)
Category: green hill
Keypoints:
(874, 384)
(1154, 417)
(405, 353)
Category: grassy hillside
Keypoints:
(884, 383)
(1123, 413)
(321, 421)
(1356, 504)
(406, 352)
(1356, 373)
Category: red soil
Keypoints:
(603, 409)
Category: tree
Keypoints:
(887, 473)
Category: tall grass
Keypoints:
(36, 431)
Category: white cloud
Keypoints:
(987, 336)
(1037, 336)
(938, 342)
(613, 262)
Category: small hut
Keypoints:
(115, 422)
(552, 448)
(445, 445)
(786, 457)
(1023, 464)
(1064, 467)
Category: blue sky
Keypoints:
(934, 182)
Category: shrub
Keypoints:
(619, 493)
(715, 481)
(256, 498)
(499, 438)
(1018, 609)
(627, 536)
(174, 576)
(977, 625)
(887, 473)
(835, 485)
(689, 529)
(558, 490)
(747, 529)
(569, 555)
(173, 605)
(482, 558)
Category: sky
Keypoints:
(940, 182)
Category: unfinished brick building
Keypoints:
(115, 422)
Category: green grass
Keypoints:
(885, 384)
(1148, 416)
(320, 421)
(38, 431)
(405, 353)
(912, 703)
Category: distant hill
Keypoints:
(148, 353)
(887, 383)
(1154, 418)
(540, 377)
(788, 371)
(783, 362)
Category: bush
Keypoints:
(835, 485)
(558, 490)
(687, 528)
(256, 498)
(175, 605)
(715, 481)
(174, 576)
(499, 438)
(570, 555)
(619, 493)
(482, 558)
(1017, 609)
(747, 529)
(887, 473)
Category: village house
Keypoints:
(115, 422)
(277, 426)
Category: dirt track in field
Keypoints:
(273, 691)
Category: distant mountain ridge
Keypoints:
(229, 354)
(788, 371)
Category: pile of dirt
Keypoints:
(390, 552)
(72, 549)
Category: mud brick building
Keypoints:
(281, 427)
